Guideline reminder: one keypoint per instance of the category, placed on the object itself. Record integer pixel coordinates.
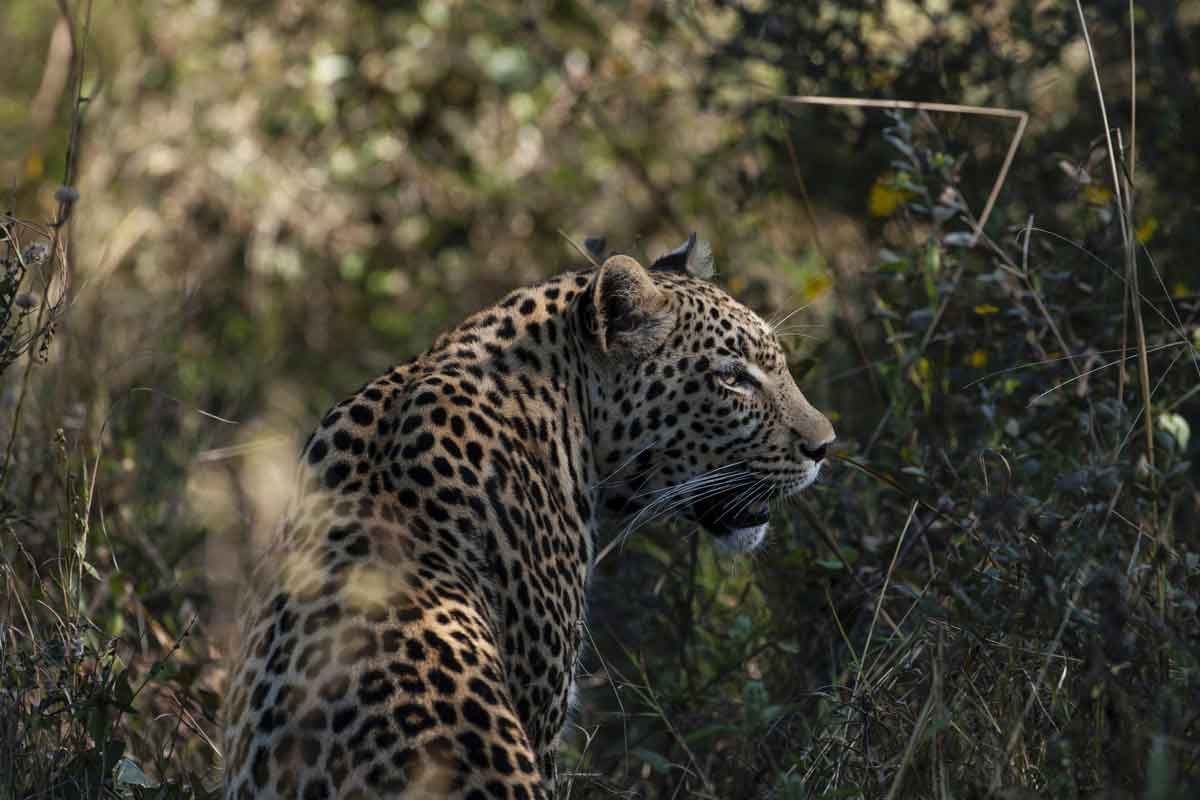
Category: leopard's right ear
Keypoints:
(623, 310)
(694, 257)
(596, 247)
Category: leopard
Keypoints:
(414, 627)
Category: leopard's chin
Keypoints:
(742, 540)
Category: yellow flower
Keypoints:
(886, 197)
(920, 372)
(1180, 289)
(816, 285)
(976, 359)
(1096, 195)
(986, 308)
(1146, 230)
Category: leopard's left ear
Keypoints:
(625, 312)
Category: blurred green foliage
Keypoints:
(992, 593)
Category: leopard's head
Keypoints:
(696, 413)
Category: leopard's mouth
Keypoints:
(730, 511)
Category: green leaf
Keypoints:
(128, 773)
(1159, 781)
(773, 712)
(708, 731)
(643, 544)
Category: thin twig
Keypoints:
(1022, 118)
(582, 250)
(879, 602)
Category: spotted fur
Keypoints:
(414, 628)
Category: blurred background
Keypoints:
(993, 592)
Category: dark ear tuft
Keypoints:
(677, 259)
(596, 247)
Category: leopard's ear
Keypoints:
(628, 315)
(694, 257)
(596, 247)
(677, 259)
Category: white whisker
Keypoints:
(681, 495)
(624, 464)
(751, 495)
(777, 325)
(702, 478)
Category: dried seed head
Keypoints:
(35, 254)
(66, 194)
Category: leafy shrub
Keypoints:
(1012, 599)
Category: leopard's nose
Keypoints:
(812, 432)
(814, 444)
(815, 453)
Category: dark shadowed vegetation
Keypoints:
(222, 216)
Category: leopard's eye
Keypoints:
(735, 377)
